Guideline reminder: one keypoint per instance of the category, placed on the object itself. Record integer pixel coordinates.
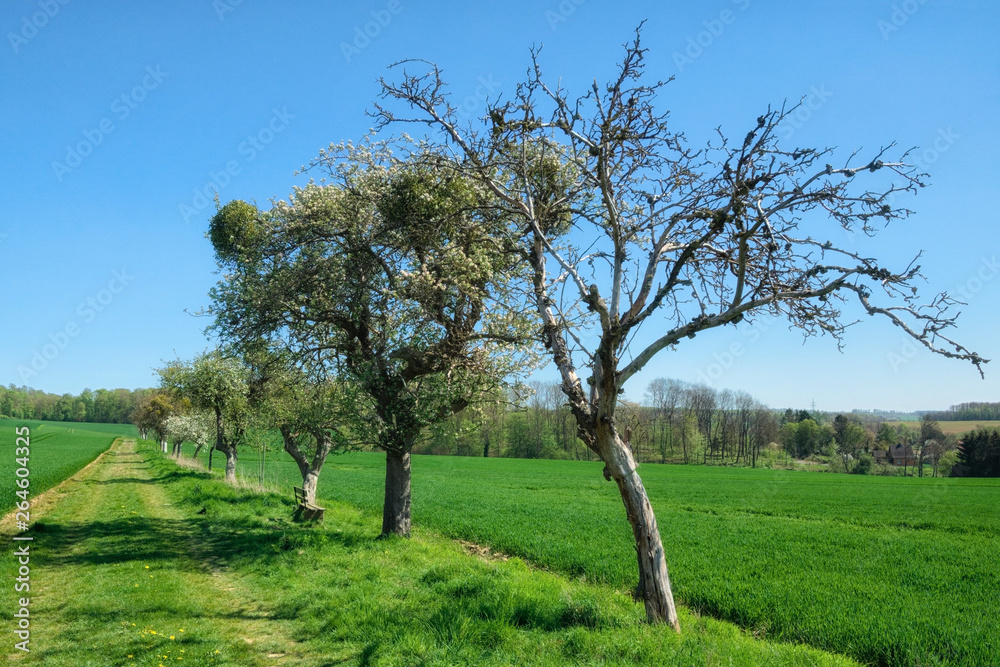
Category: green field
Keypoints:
(57, 451)
(887, 570)
(145, 563)
(956, 427)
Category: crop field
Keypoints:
(58, 450)
(957, 427)
(896, 571)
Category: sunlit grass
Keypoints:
(889, 570)
(146, 563)
(57, 451)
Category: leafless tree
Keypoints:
(665, 396)
(626, 225)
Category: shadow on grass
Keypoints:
(167, 477)
(224, 524)
(335, 581)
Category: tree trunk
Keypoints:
(218, 436)
(396, 511)
(310, 473)
(654, 581)
(309, 483)
(230, 453)
(163, 445)
(197, 448)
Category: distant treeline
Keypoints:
(969, 412)
(678, 422)
(107, 406)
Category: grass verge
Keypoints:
(148, 563)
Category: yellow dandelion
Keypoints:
(182, 629)
(152, 632)
(171, 636)
(147, 567)
(137, 585)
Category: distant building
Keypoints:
(897, 455)
(902, 455)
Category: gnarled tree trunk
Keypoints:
(230, 464)
(654, 581)
(309, 471)
(396, 511)
(309, 483)
(231, 457)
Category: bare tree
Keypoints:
(625, 224)
(665, 396)
(763, 432)
(701, 400)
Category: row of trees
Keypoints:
(113, 406)
(422, 276)
(976, 411)
(677, 422)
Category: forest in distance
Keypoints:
(676, 422)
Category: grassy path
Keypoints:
(118, 578)
(139, 561)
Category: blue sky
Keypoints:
(116, 116)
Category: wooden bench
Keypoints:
(306, 510)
